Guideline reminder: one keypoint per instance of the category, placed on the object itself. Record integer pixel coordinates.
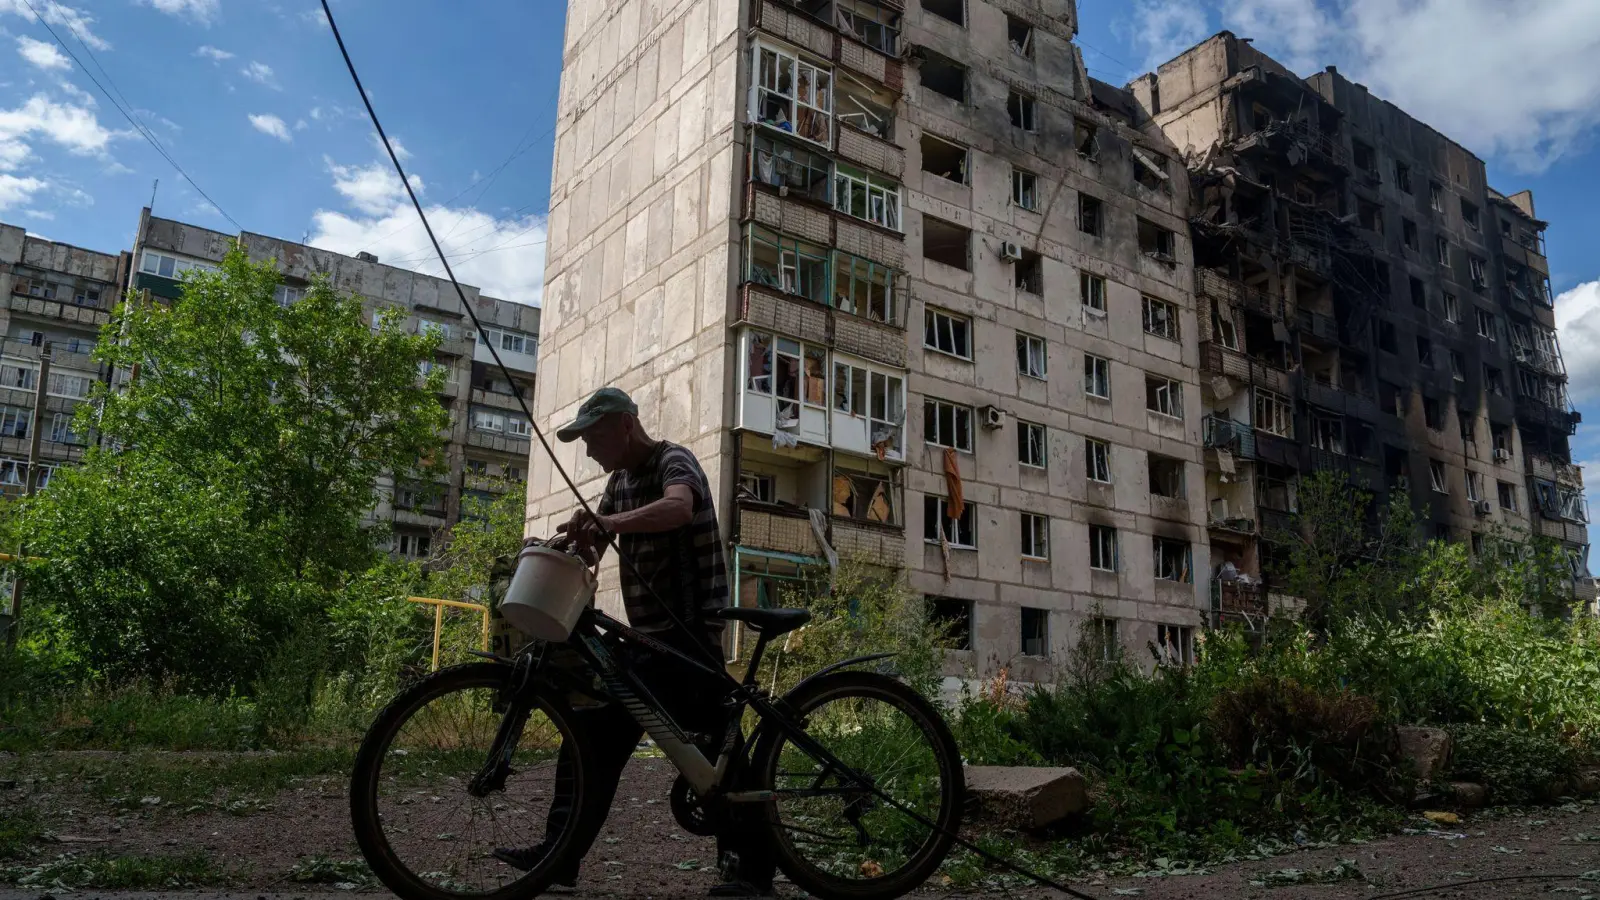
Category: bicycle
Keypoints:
(489, 732)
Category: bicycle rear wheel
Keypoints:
(429, 803)
(836, 838)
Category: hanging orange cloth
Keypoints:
(954, 505)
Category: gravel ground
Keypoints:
(641, 849)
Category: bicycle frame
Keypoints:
(707, 778)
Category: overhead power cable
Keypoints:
(138, 126)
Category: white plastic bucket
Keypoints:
(547, 593)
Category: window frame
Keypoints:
(1094, 367)
(1024, 190)
(930, 325)
(1087, 293)
(1034, 532)
(846, 265)
(1154, 309)
(893, 397)
(1438, 477)
(1031, 436)
(798, 261)
(1103, 541)
(1091, 209)
(847, 180)
(1041, 639)
(934, 517)
(1026, 117)
(1097, 460)
(759, 90)
(932, 420)
(1171, 389)
(1162, 548)
(1030, 346)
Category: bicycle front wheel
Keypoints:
(454, 769)
(833, 835)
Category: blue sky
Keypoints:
(251, 98)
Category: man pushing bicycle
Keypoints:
(658, 505)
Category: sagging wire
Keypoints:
(624, 559)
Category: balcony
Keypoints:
(1216, 359)
(1537, 413)
(1336, 399)
(1227, 435)
(1547, 469)
(481, 397)
(22, 302)
(421, 518)
(1319, 326)
(1210, 283)
(486, 484)
(781, 529)
(1276, 524)
(489, 440)
(869, 542)
(1238, 599)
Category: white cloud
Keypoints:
(300, 125)
(15, 191)
(41, 214)
(13, 153)
(400, 150)
(1513, 82)
(42, 54)
(1166, 28)
(504, 257)
(315, 16)
(202, 11)
(272, 126)
(73, 127)
(55, 13)
(213, 54)
(373, 189)
(260, 73)
(1578, 329)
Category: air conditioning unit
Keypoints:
(993, 417)
(1481, 507)
(1501, 454)
(1010, 250)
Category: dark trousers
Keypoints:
(610, 736)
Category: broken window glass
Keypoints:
(791, 169)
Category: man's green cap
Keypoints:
(604, 401)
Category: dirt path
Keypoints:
(642, 853)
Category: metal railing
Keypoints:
(438, 620)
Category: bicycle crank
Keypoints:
(695, 817)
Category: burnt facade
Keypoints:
(1368, 305)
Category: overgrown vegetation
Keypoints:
(128, 872)
(1288, 735)
(209, 576)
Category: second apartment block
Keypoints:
(489, 437)
(916, 290)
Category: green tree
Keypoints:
(1346, 555)
(308, 404)
(224, 514)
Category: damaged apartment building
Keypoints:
(915, 290)
(489, 438)
(1368, 306)
(56, 298)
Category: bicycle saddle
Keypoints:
(773, 622)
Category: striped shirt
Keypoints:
(685, 565)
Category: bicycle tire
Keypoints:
(804, 701)
(364, 784)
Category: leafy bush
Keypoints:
(1273, 721)
(1519, 766)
